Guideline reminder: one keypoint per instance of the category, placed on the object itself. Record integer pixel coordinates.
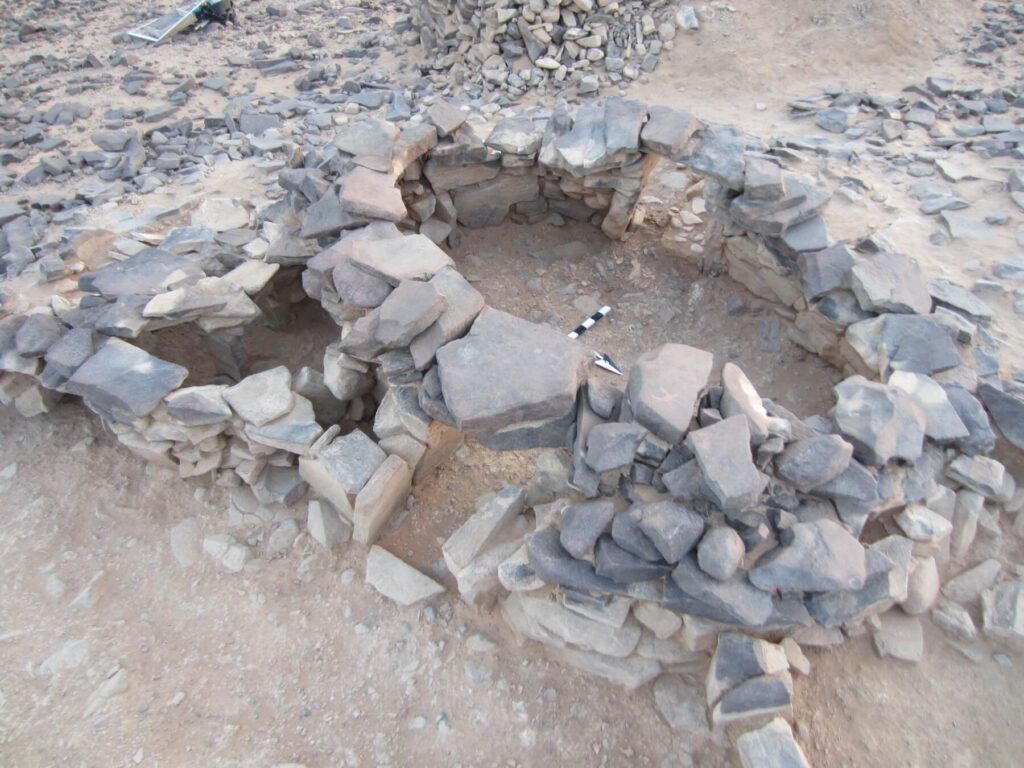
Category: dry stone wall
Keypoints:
(661, 514)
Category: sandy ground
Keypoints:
(295, 659)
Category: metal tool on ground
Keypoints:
(600, 359)
(198, 14)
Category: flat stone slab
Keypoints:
(508, 371)
(772, 746)
(414, 257)
(726, 464)
(1007, 412)
(339, 471)
(397, 580)
(735, 601)
(813, 557)
(262, 397)
(120, 377)
(149, 272)
(890, 282)
(664, 387)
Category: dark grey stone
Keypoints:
(890, 282)
(824, 271)
(881, 422)
(1007, 412)
(665, 385)
(408, 311)
(613, 445)
(198, 406)
(720, 553)
(818, 556)
(726, 464)
(487, 386)
(628, 534)
(773, 218)
(667, 130)
(613, 562)
(946, 293)
(556, 566)
(144, 273)
(582, 524)
(838, 607)
(810, 463)
(623, 119)
(67, 355)
(719, 154)
(673, 528)
(37, 334)
(122, 379)
(736, 601)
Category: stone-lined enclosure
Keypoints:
(661, 513)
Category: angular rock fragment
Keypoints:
(918, 343)
(384, 493)
(556, 566)
(771, 746)
(757, 697)
(262, 397)
(735, 601)
(813, 462)
(628, 534)
(1003, 612)
(813, 557)
(613, 445)
(414, 257)
(340, 471)
(487, 387)
(462, 305)
(325, 525)
(493, 512)
(979, 473)
(408, 311)
(739, 657)
(672, 528)
(740, 398)
(372, 195)
(1007, 412)
(664, 387)
(726, 464)
(899, 636)
(720, 552)
(123, 379)
(881, 422)
(397, 580)
(613, 562)
(198, 406)
(582, 524)
(942, 424)
(922, 524)
(890, 282)
(487, 203)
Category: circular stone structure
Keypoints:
(598, 558)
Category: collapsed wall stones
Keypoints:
(670, 509)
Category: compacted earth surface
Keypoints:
(120, 647)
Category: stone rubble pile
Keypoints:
(518, 45)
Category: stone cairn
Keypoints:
(666, 522)
(518, 45)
